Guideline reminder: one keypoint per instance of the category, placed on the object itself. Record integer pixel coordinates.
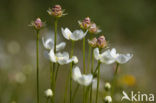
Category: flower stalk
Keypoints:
(37, 63)
(92, 66)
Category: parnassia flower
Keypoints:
(82, 79)
(110, 56)
(61, 58)
(37, 24)
(49, 44)
(49, 93)
(56, 11)
(93, 42)
(76, 35)
(101, 42)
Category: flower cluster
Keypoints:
(98, 51)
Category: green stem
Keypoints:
(113, 81)
(57, 70)
(72, 51)
(66, 88)
(54, 64)
(75, 92)
(51, 75)
(89, 55)
(37, 64)
(86, 96)
(84, 67)
(98, 79)
(92, 66)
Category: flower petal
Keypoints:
(123, 58)
(78, 35)
(62, 57)
(48, 44)
(60, 46)
(73, 59)
(52, 56)
(66, 33)
(113, 53)
(76, 73)
(96, 53)
(107, 58)
(85, 79)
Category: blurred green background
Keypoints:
(128, 25)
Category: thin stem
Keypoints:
(84, 67)
(86, 96)
(113, 81)
(66, 88)
(75, 92)
(37, 64)
(89, 57)
(47, 101)
(92, 66)
(54, 64)
(72, 51)
(57, 70)
(51, 74)
(98, 79)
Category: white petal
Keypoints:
(73, 59)
(48, 44)
(107, 58)
(123, 58)
(78, 35)
(62, 57)
(85, 79)
(52, 56)
(96, 53)
(76, 74)
(60, 46)
(113, 53)
(66, 33)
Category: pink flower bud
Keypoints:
(37, 24)
(85, 24)
(94, 29)
(101, 42)
(56, 11)
(93, 42)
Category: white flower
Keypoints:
(110, 56)
(81, 78)
(49, 44)
(62, 58)
(108, 99)
(49, 93)
(76, 35)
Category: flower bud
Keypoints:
(93, 42)
(107, 86)
(94, 29)
(101, 42)
(37, 24)
(85, 24)
(108, 99)
(49, 93)
(56, 11)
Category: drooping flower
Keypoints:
(37, 24)
(76, 35)
(108, 99)
(49, 44)
(107, 86)
(61, 58)
(93, 29)
(56, 11)
(49, 93)
(85, 24)
(110, 56)
(82, 79)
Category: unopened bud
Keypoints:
(94, 29)
(85, 24)
(101, 42)
(93, 42)
(107, 86)
(108, 99)
(49, 93)
(37, 24)
(56, 11)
